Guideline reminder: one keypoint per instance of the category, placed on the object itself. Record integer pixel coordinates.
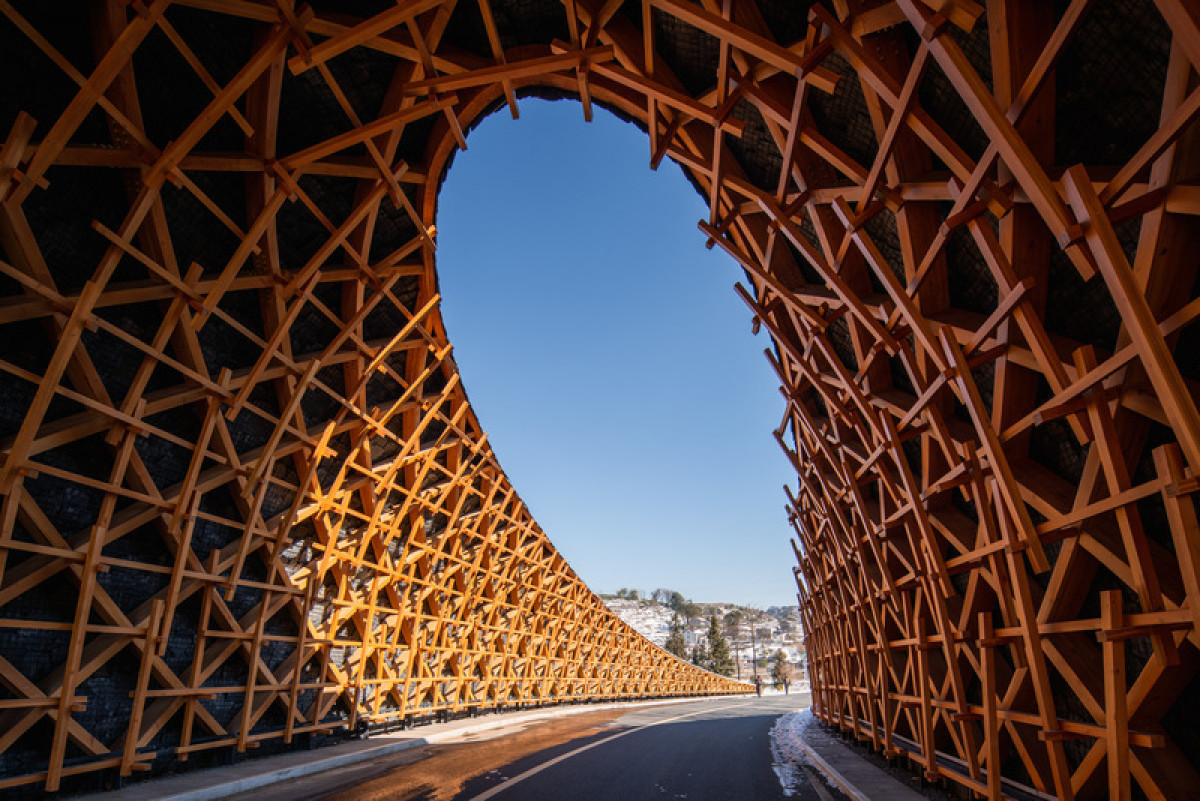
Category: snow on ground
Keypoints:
(787, 753)
(795, 687)
(651, 620)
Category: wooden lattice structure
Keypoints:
(244, 496)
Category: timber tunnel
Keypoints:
(245, 501)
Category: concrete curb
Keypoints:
(832, 773)
(851, 772)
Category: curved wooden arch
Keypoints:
(233, 428)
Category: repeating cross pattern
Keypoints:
(243, 495)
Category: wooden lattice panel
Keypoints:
(244, 495)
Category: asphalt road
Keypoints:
(708, 751)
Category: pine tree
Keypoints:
(689, 611)
(719, 660)
(779, 667)
(700, 655)
(676, 601)
(675, 642)
(733, 624)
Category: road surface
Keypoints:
(708, 750)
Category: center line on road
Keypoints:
(520, 777)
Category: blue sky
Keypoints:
(609, 360)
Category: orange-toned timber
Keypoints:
(243, 496)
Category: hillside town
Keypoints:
(753, 635)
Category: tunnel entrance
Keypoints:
(244, 500)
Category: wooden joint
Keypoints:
(665, 141)
(1133, 632)
(997, 641)
(19, 176)
(717, 232)
(815, 55)
(1139, 206)
(1000, 199)
(959, 219)
(1059, 735)
(1150, 740)
(935, 26)
(1186, 487)
(725, 109)
(813, 58)
(977, 358)
(282, 278)
(134, 427)
(863, 217)
(148, 155)
(1073, 235)
(1094, 393)
(1018, 546)
(788, 211)
(224, 396)
(140, 8)
(279, 170)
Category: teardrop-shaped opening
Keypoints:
(608, 359)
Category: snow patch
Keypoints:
(787, 752)
(652, 620)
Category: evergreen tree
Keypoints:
(700, 655)
(675, 642)
(733, 624)
(689, 611)
(676, 601)
(719, 660)
(779, 667)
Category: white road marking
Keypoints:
(499, 788)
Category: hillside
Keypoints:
(775, 629)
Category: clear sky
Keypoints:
(609, 360)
